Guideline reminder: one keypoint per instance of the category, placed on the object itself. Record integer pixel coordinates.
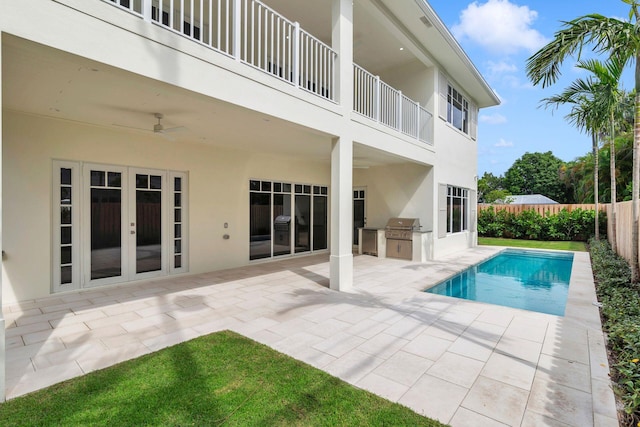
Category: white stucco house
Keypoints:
(147, 138)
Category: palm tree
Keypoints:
(618, 39)
(585, 115)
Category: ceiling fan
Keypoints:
(158, 128)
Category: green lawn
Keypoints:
(218, 379)
(533, 244)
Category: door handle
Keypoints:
(133, 232)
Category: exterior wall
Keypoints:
(218, 177)
(456, 155)
(402, 190)
(218, 191)
(414, 80)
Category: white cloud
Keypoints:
(502, 67)
(503, 143)
(500, 26)
(493, 119)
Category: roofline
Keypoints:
(433, 17)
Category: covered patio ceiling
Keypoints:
(46, 82)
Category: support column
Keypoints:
(2, 326)
(341, 260)
(342, 42)
(341, 264)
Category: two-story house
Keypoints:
(147, 138)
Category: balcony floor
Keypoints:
(462, 362)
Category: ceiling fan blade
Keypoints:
(174, 129)
(130, 127)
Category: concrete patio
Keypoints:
(462, 362)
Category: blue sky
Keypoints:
(499, 36)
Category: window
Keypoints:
(286, 218)
(457, 110)
(457, 209)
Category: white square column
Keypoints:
(341, 260)
(342, 43)
(2, 333)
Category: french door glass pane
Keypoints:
(106, 226)
(319, 222)
(148, 231)
(260, 225)
(302, 232)
(282, 224)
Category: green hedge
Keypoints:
(577, 225)
(621, 321)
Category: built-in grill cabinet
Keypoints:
(399, 236)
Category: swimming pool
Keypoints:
(530, 280)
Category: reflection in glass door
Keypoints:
(359, 212)
(302, 229)
(148, 222)
(105, 218)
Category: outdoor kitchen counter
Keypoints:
(422, 243)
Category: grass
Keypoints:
(533, 244)
(217, 379)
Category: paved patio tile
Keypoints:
(603, 400)
(367, 328)
(339, 344)
(497, 400)
(383, 386)
(519, 348)
(404, 368)
(462, 362)
(428, 346)
(466, 418)
(41, 378)
(446, 330)
(434, 397)
(566, 372)
(515, 372)
(528, 329)
(353, 366)
(383, 345)
(532, 419)
(469, 346)
(408, 327)
(456, 369)
(561, 403)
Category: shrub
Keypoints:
(577, 225)
(621, 321)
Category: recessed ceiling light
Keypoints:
(401, 48)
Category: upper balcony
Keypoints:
(253, 32)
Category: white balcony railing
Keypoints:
(251, 32)
(378, 101)
(255, 34)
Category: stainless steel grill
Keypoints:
(399, 235)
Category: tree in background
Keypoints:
(537, 173)
(491, 188)
(595, 107)
(617, 39)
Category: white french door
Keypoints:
(115, 224)
(125, 217)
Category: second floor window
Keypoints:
(457, 110)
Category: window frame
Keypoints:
(461, 195)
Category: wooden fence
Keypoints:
(624, 225)
(541, 209)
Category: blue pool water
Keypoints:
(531, 280)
